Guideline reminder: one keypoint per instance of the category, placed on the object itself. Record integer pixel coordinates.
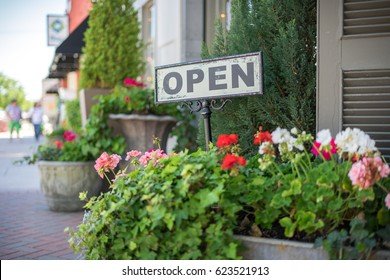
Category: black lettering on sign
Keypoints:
(179, 83)
(214, 77)
(191, 79)
(248, 78)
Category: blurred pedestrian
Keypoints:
(36, 114)
(14, 114)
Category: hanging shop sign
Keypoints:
(222, 77)
(57, 29)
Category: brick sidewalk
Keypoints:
(29, 230)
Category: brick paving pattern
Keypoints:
(30, 231)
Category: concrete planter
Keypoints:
(258, 248)
(139, 130)
(61, 183)
(87, 99)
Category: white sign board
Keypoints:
(223, 77)
(57, 29)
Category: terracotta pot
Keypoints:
(62, 182)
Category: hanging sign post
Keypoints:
(201, 83)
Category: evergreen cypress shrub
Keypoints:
(113, 49)
(73, 114)
(285, 32)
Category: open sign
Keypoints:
(211, 78)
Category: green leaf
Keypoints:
(295, 188)
(289, 226)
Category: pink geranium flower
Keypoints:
(69, 136)
(106, 163)
(387, 201)
(154, 155)
(132, 82)
(133, 153)
(326, 151)
(366, 172)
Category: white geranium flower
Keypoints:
(263, 147)
(280, 135)
(324, 137)
(366, 145)
(354, 141)
(347, 140)
(294, 131)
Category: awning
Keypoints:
(66, 58)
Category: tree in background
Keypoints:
(10, 89)
(285, 32)
(113, 49)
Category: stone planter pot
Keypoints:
(257, 248)
(139, 130)
(61, 183)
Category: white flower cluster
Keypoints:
(324, 137)
(354, 141)
(285, 140)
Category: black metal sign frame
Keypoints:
(209, 102)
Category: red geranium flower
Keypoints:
(230, 161)
(225, 140)
(261, 137)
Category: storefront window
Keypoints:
(148, 36)
(216, 10)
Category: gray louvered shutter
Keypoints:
(366, 105)
(366, 17)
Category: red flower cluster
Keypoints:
(261, 137)
(225, 140)
(127, 98)
(230, 161)
(229, 144)
(58, 144)
(132, 82)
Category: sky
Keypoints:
(24, 54)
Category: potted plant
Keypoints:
(206, 205)
(131, 106)
(65, 171)
(66, 168)
(55, 135)
(113, 50)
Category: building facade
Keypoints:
(353, 68)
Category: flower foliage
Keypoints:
(172, 208)
(67, 148)
(133, 97)
(186, 205)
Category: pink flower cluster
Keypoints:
(106, 163)
(131, 82)
(152, 155)
(324, 145)
(387, 200)
(69, 136)
(326, 151)
(367, 171)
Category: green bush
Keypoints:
(73, 115)
(285, 32)
(113, 49)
